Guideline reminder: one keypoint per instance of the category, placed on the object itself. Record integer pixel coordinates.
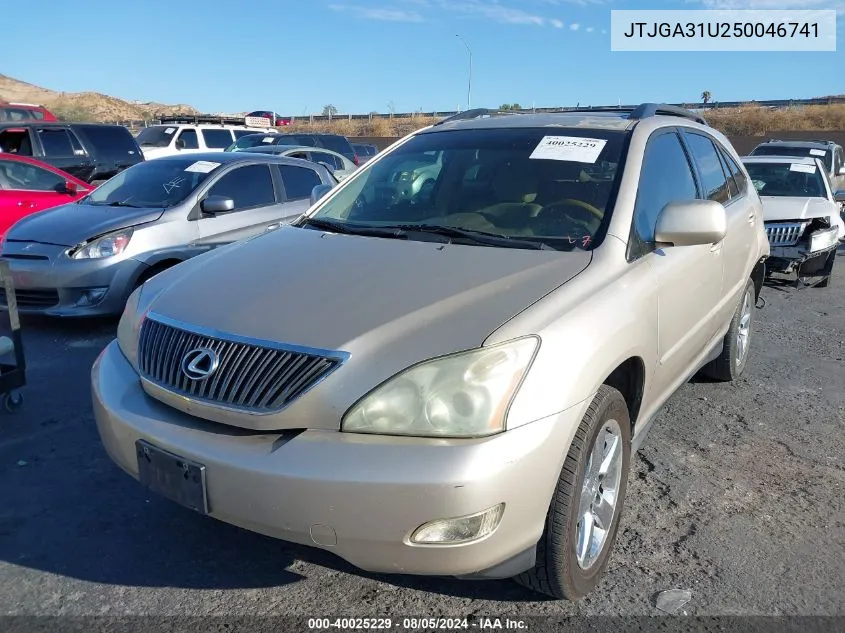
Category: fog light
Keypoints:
(460, 529)
(821, 240)
(91, 296)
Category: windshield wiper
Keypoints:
(473, 235)
(120, 203)
(352, 229)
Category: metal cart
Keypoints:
(12, 374)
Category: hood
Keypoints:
(155, 152)
(388, 303)
(71, 224)
(779, 208)
(306, 287)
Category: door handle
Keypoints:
(716, 247)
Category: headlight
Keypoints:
(820, 240)
(103, 246)
(129, 327)
(462, 395)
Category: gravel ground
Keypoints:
(736, 496)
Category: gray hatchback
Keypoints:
(85, 258)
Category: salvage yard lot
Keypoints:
(738, 495)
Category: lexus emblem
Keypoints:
(200, 363)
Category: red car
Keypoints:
(11, 111)
(28, 186)
(265, 114)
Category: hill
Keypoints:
(86, 105)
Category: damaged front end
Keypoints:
(805, 247)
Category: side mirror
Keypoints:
(839, 196)
(691, 223)
(70, 188)
(318, 192)
(180, 143)
(215, 205)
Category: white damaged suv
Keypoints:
(802, 215)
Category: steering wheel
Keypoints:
(577, 203)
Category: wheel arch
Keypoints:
(629, 379)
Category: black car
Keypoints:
(93, 152)
(334, 142)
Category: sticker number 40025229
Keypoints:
(569, 148)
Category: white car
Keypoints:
(340, 166)
(178, 136)
(801, 213)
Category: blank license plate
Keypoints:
(172, 476)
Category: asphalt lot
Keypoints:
(738, 495)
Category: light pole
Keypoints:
(469, 82)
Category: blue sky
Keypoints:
(295, 56)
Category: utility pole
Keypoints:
(469, 82)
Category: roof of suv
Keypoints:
(31, 122)
(609, 118)
(798, 160)
(801, 143)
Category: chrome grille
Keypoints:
(785, 233)
(258, 376)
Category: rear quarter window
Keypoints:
(217, 139)
(114, 141)
(338, 144)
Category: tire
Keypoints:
(734, 357)
(12, 401)
(557, 572)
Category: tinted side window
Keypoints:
(249, 186)
(666, 177)
(732, 186)
(110, 140)
(737, 173)
(189, 137)
(56, 142)
(217, 139)
(338, 144)
(323, 157)
(713, 181)
(299, 181)
(28, 177)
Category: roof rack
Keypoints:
(642, 111)
(202, 118)
(475, 113)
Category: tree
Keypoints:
(510, 106)
(329, 110)
(705, 96)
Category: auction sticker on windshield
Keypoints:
(569, 148)
(202, 166)
(807, 169)
(267, 139)
(817, 152)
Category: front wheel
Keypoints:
(734, 357)
(583, 517)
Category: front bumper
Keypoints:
(56, 286)
(360, 496)
(797, 259)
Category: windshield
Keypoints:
(156, 136)
(787, 179)
(534, 186)
(785, 150)
(164, 182)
